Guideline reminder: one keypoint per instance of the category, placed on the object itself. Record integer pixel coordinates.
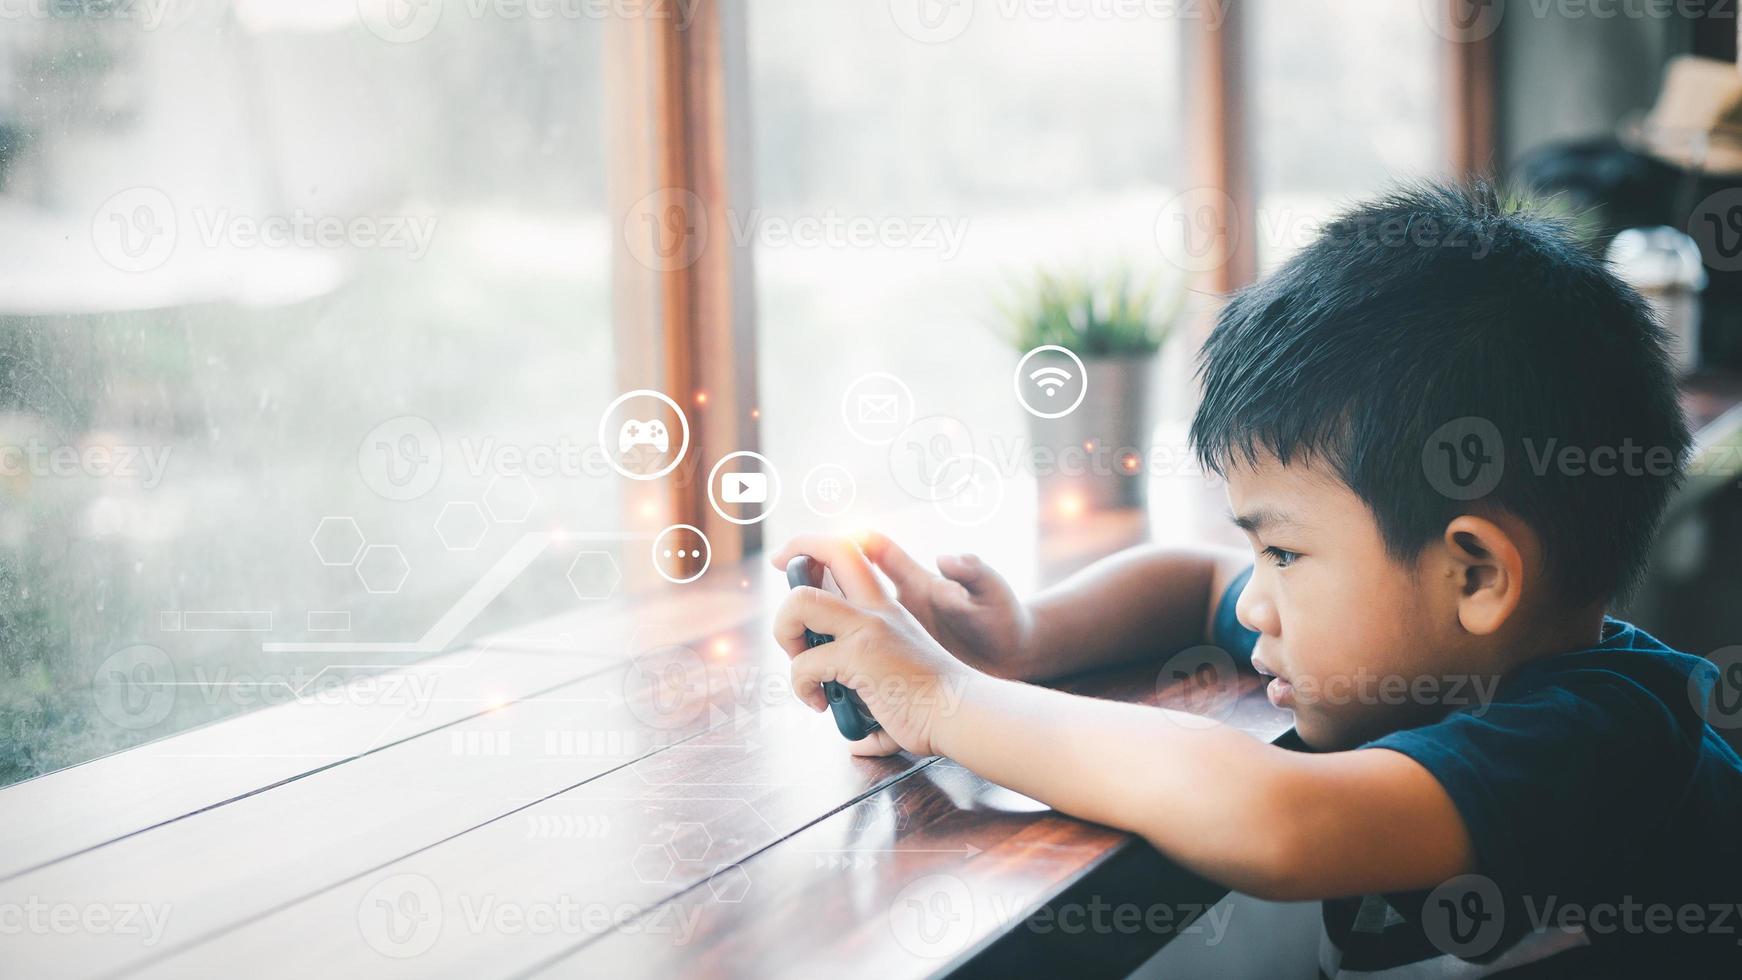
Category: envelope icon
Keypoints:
(877, 408)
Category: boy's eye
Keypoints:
(1279, 557)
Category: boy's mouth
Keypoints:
(1279, 690)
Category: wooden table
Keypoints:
(648, 800)
(627, 790)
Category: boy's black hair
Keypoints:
(1436, 315)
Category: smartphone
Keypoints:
(851, 716)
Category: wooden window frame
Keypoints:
(678, 126)
(678, 118)
(1218, 115)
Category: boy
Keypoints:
(1449, 434)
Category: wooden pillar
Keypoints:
(682, 289)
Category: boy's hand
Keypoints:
(880, 651)
(969, 609)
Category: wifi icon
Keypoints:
(1050, 379)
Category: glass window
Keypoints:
(292, 296)
(1344, 96)
(915, 165)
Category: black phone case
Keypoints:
(851, 716)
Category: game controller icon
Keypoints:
(637, 433)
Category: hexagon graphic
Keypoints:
(652, 862)
(461, 525)
(337, 541)
(594, 575)
(510, 498)
(383, 569)
(690, 842)
(730, 883)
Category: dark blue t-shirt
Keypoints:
(1606, 816)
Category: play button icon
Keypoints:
(744, 488)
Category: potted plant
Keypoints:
(1115, 322)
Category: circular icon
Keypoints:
(1465, 458)
(640, 445)
(932, 21)
(667, 229)
(1198, 230)
(978, 494)
(829, 490)
(135, 687)
(876, 406)
(1721, 703)
(676, 559)
(135, 229)
(401, 459)
(1464, 916)
(400, 21)
(1716, 226)
(1463, 21)
(744, 487)
(1050, 381)
(666, 687)
(933, 917)
(931, 459)
(401, 916)
(1197, 683)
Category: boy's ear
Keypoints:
(1489, 571)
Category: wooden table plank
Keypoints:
(685, 817)
(674, 818)
(62, 813)
(219, 868)
(923, 874)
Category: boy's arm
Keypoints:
(1270, 822)
(1273, 823)
(1142, 602)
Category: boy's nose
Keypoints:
(1254, 609)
